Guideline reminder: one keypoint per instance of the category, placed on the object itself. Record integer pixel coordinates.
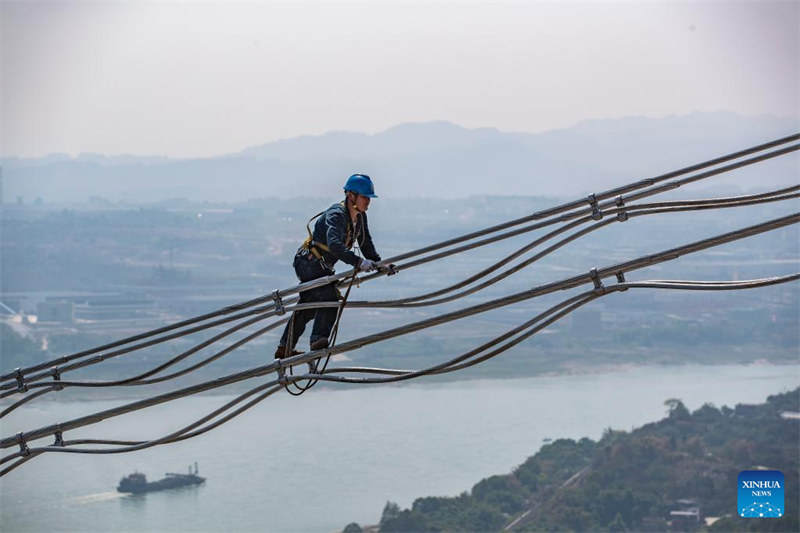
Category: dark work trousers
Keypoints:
(307, 267)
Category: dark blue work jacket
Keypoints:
(334, 228)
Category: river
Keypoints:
(333, 456)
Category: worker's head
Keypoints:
(359, 191)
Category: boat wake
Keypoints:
(94, 498)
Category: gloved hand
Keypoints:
(390, 269)
(366, 265)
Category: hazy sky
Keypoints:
(194, 79)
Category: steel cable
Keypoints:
(598, 209)
(539, 215)
(630, 211)
(598, 274)
(654, 208)
(545, 319)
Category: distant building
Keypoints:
(113, 307)
(61, 311)
(69, 309)
(686, 517)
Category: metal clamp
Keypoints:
(281, 371)
(59, 437)
(56, 373)
(596, 213)
(23, 446)
(283, 379)
(599, 288)
(276, 297)
(622, 216)
(21, 385)
(621, 279)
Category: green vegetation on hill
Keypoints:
(632, 481)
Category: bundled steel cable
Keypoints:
(577, 207)
(614, 214)
(620, 210)
(473, 357)
(600, 212)
(595, 277)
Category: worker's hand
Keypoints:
(389, 270)
(366, 265)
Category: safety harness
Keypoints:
(314, 247)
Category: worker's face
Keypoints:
(362, 203)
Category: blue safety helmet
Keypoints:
(360, 184)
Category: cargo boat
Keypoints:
(137, 482)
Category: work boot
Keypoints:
(281, 352)
(319, 344)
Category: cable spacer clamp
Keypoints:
(599, 288)
(276, 297)
(56, 373)
(21, 385)
(621, 279)
(622, 216)
(23, 446)
(596, 213)
(281, 371)
(59, 437)
(283, 379)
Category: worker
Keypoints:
(335, 232)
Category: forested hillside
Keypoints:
(632, 481)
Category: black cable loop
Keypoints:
(314, 369)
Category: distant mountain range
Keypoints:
(436, 159)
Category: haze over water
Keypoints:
(330, 457)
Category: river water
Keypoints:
(330, 457)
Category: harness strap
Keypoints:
(314, 247)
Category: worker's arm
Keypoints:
(365, 241)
